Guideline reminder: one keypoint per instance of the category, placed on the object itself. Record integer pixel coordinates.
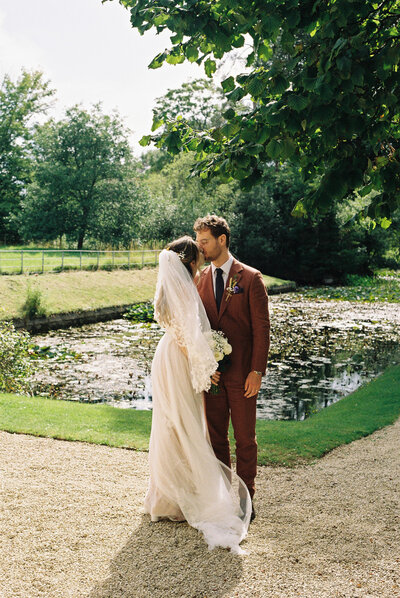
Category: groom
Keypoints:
(236, 302)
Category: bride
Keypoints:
(187, 482)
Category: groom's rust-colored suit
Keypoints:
(244, 318)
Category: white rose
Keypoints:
(228, 349)
(218, 356)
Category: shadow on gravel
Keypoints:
(168, 560)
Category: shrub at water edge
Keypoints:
(33, 306)
(15, 365)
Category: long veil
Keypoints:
(187, 481)
(179, 309)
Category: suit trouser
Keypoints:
(231, 402)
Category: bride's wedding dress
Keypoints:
(187, 482)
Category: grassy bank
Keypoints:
(81, 290)
(384, 286)
(272, 282)
(78, 290)
(370, 408)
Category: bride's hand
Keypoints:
(215, 377)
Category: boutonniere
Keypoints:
(233, 288)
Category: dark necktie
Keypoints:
(219, 287)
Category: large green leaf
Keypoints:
(230, 129)
(175, 58)
(262, 134)
(275, 118)
(191, 53)
(156, 124)
(242, 160)
(273, 149)
(161, 19)
(265, 51)
(158, 60)
(236, 95)
(254, 150)
(145, 140)
(288, 148)
(297, 102)
(279, 84)
(210, 67)
(255, 86)
(228, 84)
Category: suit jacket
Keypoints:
(243, 317)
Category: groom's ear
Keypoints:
(222, 239)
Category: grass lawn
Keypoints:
(17, 260)
(81, 290)
(370, 408)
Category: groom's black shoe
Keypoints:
(253, 513)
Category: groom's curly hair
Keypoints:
(218, 226)
(187, 249)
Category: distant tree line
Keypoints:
(76, 182)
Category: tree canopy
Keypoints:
(20, 102)
(176, 199)
(200, 103)
(72, 158)
(323, 86)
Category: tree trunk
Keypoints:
(80, 239)
(86, 203)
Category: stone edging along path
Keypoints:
(101, 314)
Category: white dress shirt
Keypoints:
(225, 271)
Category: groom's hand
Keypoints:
(252, 384)
(215, 377)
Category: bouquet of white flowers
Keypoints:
(222, 349)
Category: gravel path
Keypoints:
(71, 525)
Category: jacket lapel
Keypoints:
(235, 271)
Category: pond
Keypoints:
(320, 352)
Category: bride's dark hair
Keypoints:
(187, 250)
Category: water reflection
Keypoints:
(297, 388)
(320, 352)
